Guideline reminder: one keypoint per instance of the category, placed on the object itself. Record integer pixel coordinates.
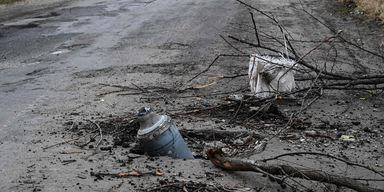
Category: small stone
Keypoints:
(126, 144)
(105, 148)
(238, 141)
(118, 142)
(225, 150)
(310, 132)
(254, 108)
(131, 155)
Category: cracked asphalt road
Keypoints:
(43, 43)
(41, 50)
(53, 54)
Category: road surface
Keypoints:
(53, 54)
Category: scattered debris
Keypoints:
(273, 83)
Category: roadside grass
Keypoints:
(371, 8)
(9, 2)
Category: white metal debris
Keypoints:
(270, 75)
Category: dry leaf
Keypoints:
(347, 136)
(133, 173)
(159, 174)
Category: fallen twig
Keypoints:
(66, 162)
(64, 152)
(86, 143)
(232, 45)
(343, 39)
(60, 143)
(101, 134)
(88, 156)
(254, 26)
(195, 185)
(199, 87)
(242, 99)
(231, 77)
(149, 2)
(166, 185)
(205, 70)
(109, 92)
(139, 88)
(116, 186)
(98, 143)
(127, 174)
(165, 98)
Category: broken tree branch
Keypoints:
(217, 157)
(326, 155)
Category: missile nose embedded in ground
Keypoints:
(159, 136)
